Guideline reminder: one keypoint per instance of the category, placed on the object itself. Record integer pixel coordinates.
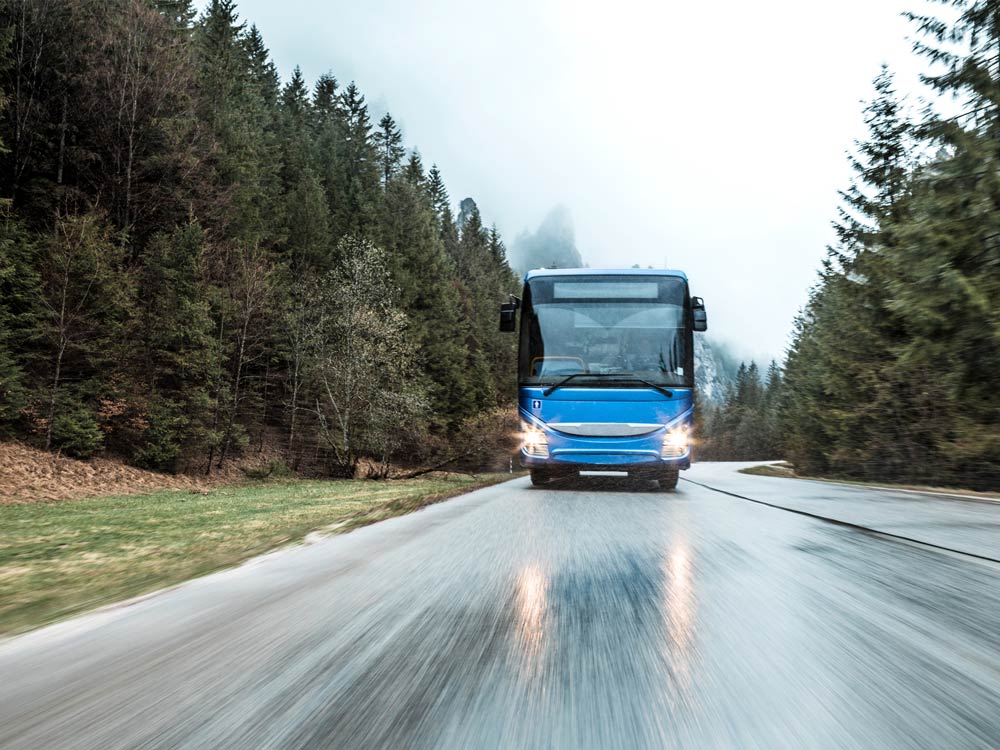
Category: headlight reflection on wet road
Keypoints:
(679, 612)
(530, 596)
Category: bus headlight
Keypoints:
(675, 443)
(533, 441)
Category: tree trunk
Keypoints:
(62, 140)
(63, 341)
(231, 421)
(55, 392)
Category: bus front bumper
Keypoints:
(606, 458)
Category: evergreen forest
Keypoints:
(744, 423)
(893, 372)
(198, 260)
(894, 368)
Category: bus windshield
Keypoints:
(610, 326)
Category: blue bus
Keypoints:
(605, 372)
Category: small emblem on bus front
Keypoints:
(536, 404)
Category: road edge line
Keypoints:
(848, 524)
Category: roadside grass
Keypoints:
(772, 470)
(786, 470)
(60, 558)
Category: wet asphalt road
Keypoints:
(592, 616)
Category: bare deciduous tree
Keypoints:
(363, 376)
(252, 289)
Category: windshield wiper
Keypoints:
(631, 376)
(654, 386)
(548, 391)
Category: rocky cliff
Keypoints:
(714, 369)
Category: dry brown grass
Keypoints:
(30, 475)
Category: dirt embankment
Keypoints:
(484, 444)
(29, 475)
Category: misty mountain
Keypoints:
(552, 245)
(465, 210)
(715, 369)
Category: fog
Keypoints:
(707, 137)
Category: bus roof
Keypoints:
(534, 273)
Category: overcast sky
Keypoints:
(707, 136)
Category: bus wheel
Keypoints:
(668, 480)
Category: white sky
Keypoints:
(707, 135)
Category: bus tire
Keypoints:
(668, 480)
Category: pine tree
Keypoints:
(326, 100)
(421, 270)
(357, 177)
(437, 193)
(262, 73)
(330, 141)
(236, 103)
(771, 442)
(875, 199)
(498, 251)
(966, 49)
(472, 251)
(260, 114)
(308, 243)
(174, 355)
(841, 409)
(388, 143)
(803, 405)
(413, 173)
(296, 129)
(748, 386)
(221, 62)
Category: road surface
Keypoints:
(591, 616)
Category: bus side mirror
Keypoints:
(508, 317)
(700, 317)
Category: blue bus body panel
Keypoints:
(635, 406)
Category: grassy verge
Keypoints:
(787, 470)
(61, 558)
(771, 470)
